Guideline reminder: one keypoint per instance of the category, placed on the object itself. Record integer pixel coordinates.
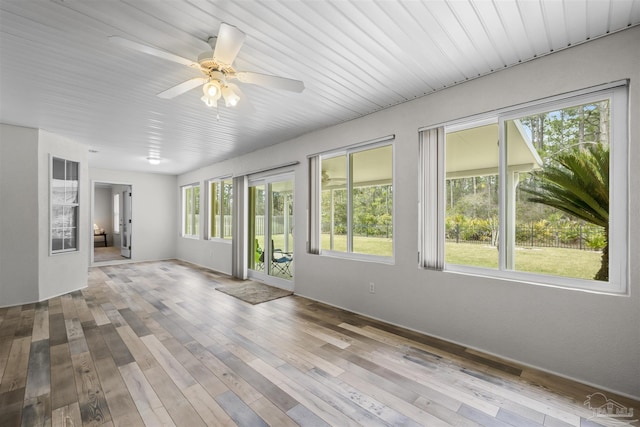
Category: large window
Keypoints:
(64, 205)
(220, 209)
(191, 210)
(539, 193)
(471, 193)
(356, 200)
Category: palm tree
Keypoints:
(577, 183)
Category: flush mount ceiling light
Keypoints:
(216, 65)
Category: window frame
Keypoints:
(64, 204)
(220, 182)
(617, 94)
(183, 208)
(347, 152)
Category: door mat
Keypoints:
(254, 292)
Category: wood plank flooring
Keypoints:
(155, 344)
(109, 253)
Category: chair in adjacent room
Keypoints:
(281, 262)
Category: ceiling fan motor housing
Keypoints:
(213, 68)
(206, 61)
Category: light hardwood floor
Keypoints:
(109, 253)
(155, 344)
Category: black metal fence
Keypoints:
(572, 236)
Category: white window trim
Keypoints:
(207, 198)
(183, 217)
(346, 151)
(617, 92)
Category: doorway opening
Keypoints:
(111, 219)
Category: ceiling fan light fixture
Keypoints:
(209, 101)
(212, 89)
(231, 98)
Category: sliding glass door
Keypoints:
(270, 229)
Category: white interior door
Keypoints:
(125, 245)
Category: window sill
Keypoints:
(63, 252)
(219, 240)
(190, 237)
(591, 286)
(359, 257)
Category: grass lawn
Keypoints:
(554, 261)
(362, 245)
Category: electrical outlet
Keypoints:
(372, 288)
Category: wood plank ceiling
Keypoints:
(58, 71)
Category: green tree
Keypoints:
(577, 183)
(556, 131)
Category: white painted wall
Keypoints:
(590, 337)
(213, 254)
(153, 210)
(103, 214)
(28, 271)
(19, 215)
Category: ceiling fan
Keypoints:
(216, 66)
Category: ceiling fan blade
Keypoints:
(129, 44)
(182, 88)
(270, 81)
(228, 44)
